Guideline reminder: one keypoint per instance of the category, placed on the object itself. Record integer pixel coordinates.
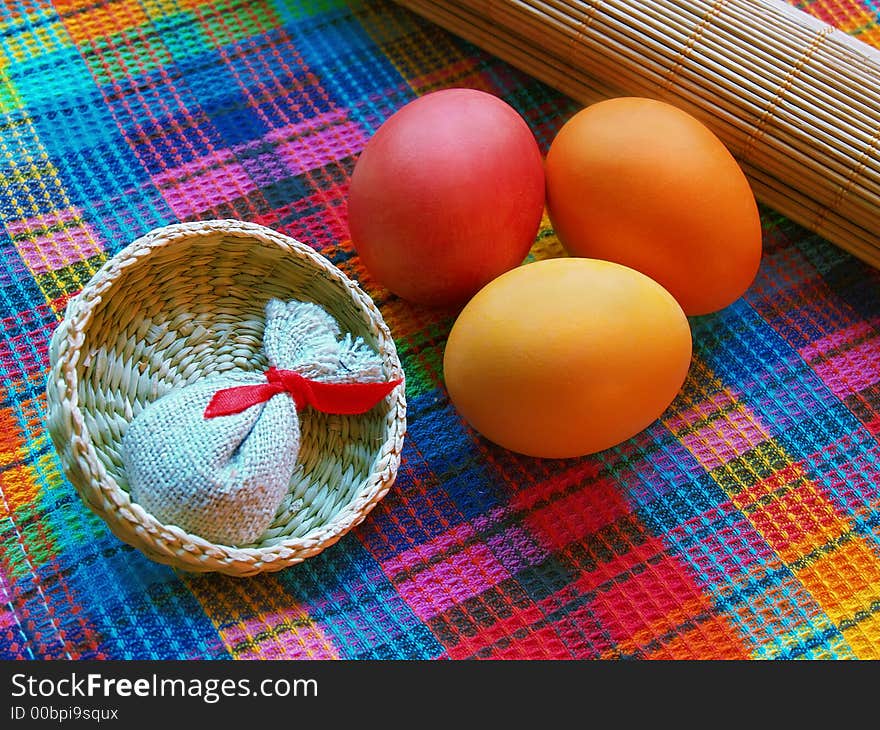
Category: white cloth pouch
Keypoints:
(216, 457)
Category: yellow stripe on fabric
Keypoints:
(546, 245)
(12, 441)
(33, 171)
(19, 487)
(27, 160)
(257, 619)
(156, 9)
(871, 36)
(87, 21)
(29, 43)
(846, 583)
(790, 511)
(786, 506)
(839, 568)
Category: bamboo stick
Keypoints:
(796, 101)
(779, 165)
(836, 156)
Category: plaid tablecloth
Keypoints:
(742, 524)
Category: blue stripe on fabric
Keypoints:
(651, 464)
(675, 507)
(139, 608)
(352, 69)
(18, 290)
(250, 71)
(353, 601)
(738, 345)
(75, 128)
(455, 455)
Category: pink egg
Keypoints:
(447, 195)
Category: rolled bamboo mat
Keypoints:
(796, 101)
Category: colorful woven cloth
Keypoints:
(742, 524)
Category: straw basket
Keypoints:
(186, 301)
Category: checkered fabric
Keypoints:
(743, 523)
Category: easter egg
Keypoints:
(647, 185)
(446, 195)
(566, 357)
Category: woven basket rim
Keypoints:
(65, 355)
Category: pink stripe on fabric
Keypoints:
(205, 189)
(321, 148)
(729, 429)
(514, 547)
(57, 218)
(72, 240)
(676, 420)
(422, 554)
(7, 618)
(27, 354)
(517, 548)
(837, 339)
(462, 575)
(853, 369)
(304, 129)
(174, 175)
(9, 623)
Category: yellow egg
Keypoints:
(566, 357)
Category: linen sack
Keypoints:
(223, 478)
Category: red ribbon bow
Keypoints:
(342, 398)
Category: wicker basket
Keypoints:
(185, 301)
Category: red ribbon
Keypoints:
(342, 398)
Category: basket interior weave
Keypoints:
(196, 307)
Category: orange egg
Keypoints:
(646, 184)
(566, 357)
